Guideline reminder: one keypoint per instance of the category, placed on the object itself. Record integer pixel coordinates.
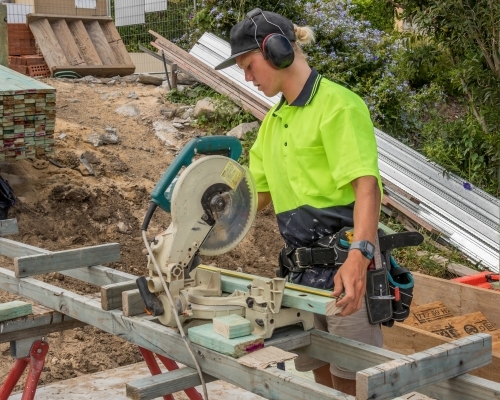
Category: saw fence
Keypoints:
(440, 372)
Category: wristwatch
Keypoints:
(365, 247)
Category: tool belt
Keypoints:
(388, 289)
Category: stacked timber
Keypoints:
(84, 45)
(27, 116)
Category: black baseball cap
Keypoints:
(249, 34)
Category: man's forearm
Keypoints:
(366, 208)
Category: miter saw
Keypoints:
(213, 202)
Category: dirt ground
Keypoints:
(61, 206)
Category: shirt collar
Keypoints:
(307, 93)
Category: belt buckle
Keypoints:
(299, 261)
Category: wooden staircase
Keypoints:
(85, 45)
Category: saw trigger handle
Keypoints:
(162, 192)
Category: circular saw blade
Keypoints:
(235, 221)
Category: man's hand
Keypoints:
(350, 279)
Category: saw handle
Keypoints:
(162, 192)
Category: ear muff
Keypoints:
(278, 50)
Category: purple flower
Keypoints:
(467, 186)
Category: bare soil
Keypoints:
(60, 206)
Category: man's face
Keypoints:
(260, 72)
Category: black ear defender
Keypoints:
(276, 48)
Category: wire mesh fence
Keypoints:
(133, 19)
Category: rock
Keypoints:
(168, 112)
(165, 131)
(242, 129)
(127, 110)
(111, 82)
(132, 95)
(188, 113)
(439, 259)
(185, 79)
(130, 78)
(94, 138)
(91, 157)
(204, 107)
(111, 96)
(151, 79)
(122, 227)
(177, 125)
(109, 138)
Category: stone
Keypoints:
(132, 95)
(149, 79)
(122, 227)
(242, 129)
(204, 107)
(168, 112)
(165, 131)
(111, 96)
(127, 110)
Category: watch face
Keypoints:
(370, 248)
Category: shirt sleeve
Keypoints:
(349, 141)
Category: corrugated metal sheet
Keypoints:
(468, 218)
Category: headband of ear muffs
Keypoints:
(278, 50)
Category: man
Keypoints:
(315, 158)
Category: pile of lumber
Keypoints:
(27, 116)
(84, 45)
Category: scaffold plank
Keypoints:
(399, 376)
(67, 259)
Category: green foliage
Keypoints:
(380, 13)
(226, 117)
(247, 144)
(468, 31)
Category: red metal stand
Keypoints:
(36, 360)
(171, 365)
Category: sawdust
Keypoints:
(60, 206)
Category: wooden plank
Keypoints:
(357, 356)
(232, 326)
(100, 43)
(413, 372)
(55, 17)
(111, 295)
(95, 275)
(270, 383)
(205, 336)
(8, 227)
(14, 309)
(48, 43)
(155, 386)
(132, 303)
(116, 43)
(459, 326)
(66, 259)
(67, 43)
(84, 43)
(458, 297)
(410, 339)
(104, 70)
(427, 313)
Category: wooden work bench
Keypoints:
(439, 372)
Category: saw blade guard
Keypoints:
(222, 193)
